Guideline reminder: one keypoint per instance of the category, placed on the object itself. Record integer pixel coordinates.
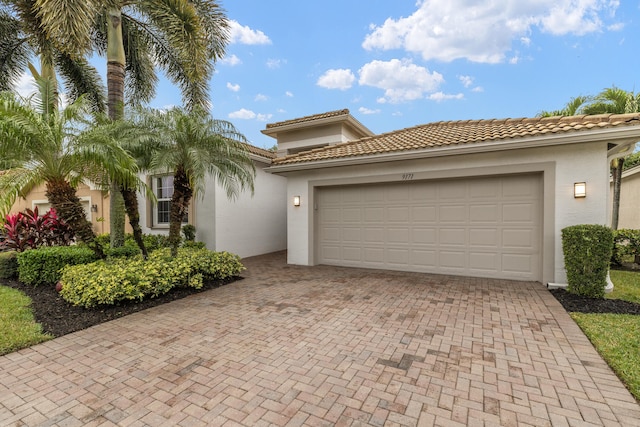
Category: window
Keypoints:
(162, 187)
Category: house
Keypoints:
(253, 224)
(629, 216)
(484, 198)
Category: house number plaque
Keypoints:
(407, 176)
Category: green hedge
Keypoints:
(626, 243)
(120, 279)
(151, 241)
(587, 251)
(8, 265)
(42, 266)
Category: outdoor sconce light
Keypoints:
(580, 190)
(94, 208)
(296, 200)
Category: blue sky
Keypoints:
(401, 63)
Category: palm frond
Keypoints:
(14, 183)
(68, 23)
(81, 78)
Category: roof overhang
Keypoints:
(347, 119)
(621, 137)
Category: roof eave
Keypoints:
(623, 136)
(345, 118)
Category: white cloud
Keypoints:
(275, 63)
(289, 94)
(261, 97)
(336, 79)
(231, 60)
(447, 30)
(466, 80)
(233, 87)
(264, 117)
(245, 35)
(363, 110)
(243, 114)
(477, 89)
(401, 80)
(440, 96)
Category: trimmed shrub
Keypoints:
(43, 265)
(626, 243)
(108, 282)
(8, 265)
(189, 232)
(587, 250)
(193, 245)
(151, 241)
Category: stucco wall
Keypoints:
(90, 196)
(247, 226)
(251, 224)
(629, 216)
(560, 167)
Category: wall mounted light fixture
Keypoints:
(94, 208)
(296, 200)
(580, 190)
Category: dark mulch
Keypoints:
(581, 304)
(58, 317)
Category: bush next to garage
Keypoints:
(42, 266)
(110, 281)
(587, 251)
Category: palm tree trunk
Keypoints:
(182, 194)
(116, 61)
(63, 198)
(617, 184)
(131, 205)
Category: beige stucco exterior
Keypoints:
(89, 196)
(629, 216)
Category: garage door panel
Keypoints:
(428, 236)
(484, 213)
(486, 237)
(488, 226)
(452, 236)
(453, 213)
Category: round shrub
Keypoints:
(8, 265)
(587, 251)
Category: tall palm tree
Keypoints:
(183, 37)
(614, 100)
(192, 145)
(56, 147)
(23, 37)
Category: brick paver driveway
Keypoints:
(324, 346)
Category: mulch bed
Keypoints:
(581, 304)
(58, 317)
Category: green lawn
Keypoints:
(19, 330)
(617, 336)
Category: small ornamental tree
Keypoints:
(587, 251)
(28, 230)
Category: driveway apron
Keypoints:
(291, 346)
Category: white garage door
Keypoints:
(487, 227)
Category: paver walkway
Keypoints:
(324, 346)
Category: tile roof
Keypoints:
(326, 115)
(260, 151)
(457, 133)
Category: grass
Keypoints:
(19, 329)
(617, 336)
(626, 286)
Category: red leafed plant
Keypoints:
(28, 230)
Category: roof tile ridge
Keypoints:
(334, 113)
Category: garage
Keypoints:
(479, 226)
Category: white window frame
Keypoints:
(155, 187)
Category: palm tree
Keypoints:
(183, 37)
(614, 100)
(192, 145)
(57, 147)
(23, 36)
(573, 107)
